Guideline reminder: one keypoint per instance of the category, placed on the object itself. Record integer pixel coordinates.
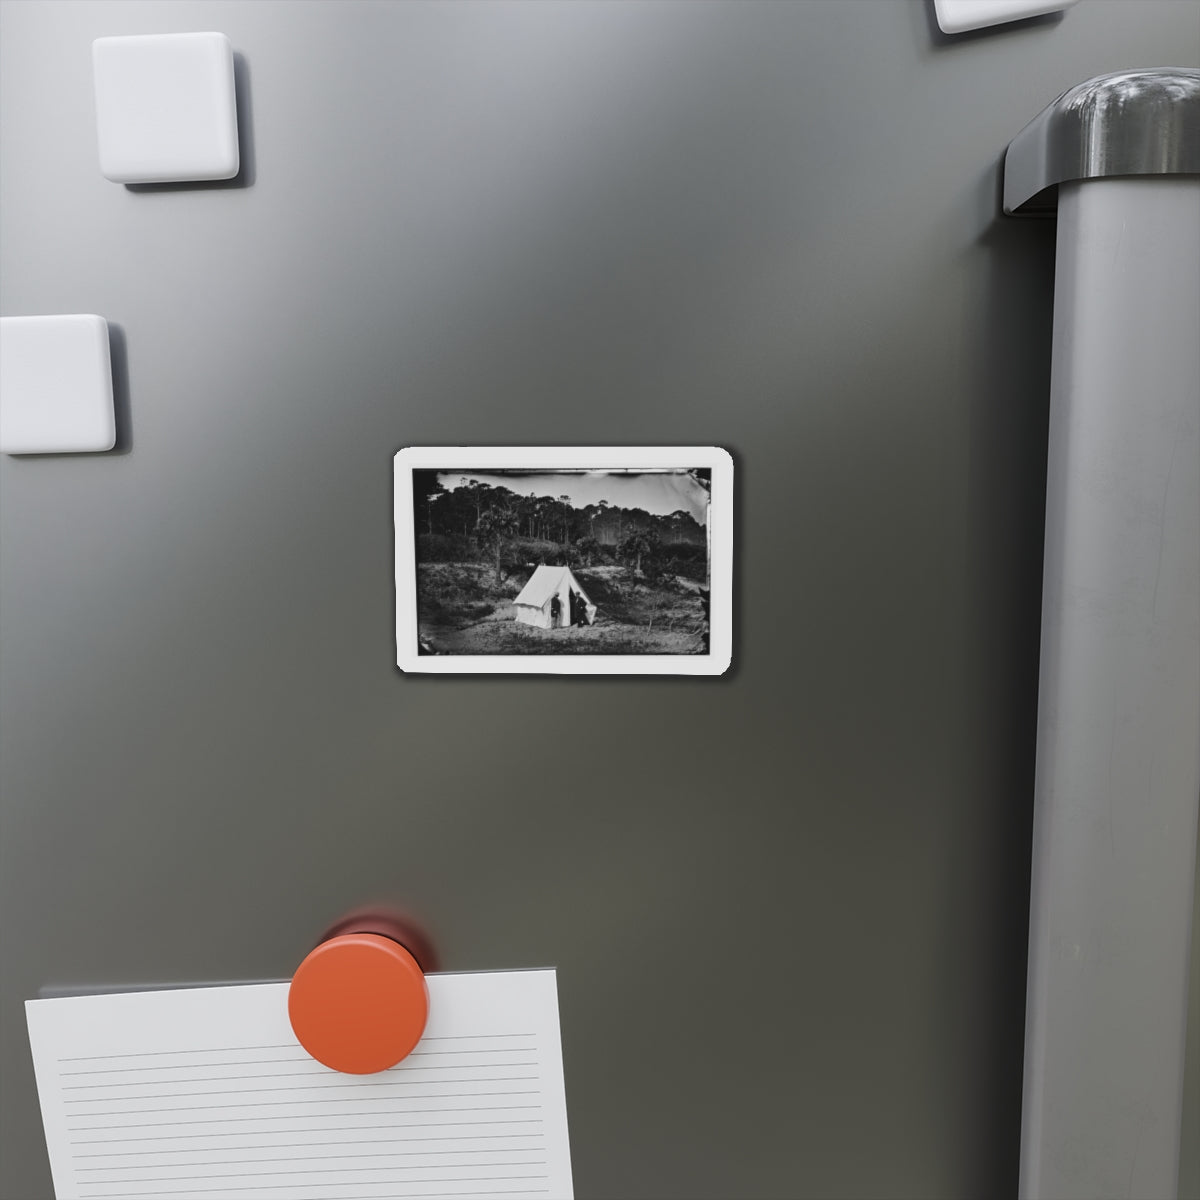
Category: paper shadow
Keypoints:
(970, 35)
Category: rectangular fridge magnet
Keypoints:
(564, 560)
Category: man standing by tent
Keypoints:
(555, 611)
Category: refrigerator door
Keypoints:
(788, 907)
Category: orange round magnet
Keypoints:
(358, 1003)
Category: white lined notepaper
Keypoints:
(205, 1093)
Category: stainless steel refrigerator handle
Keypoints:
(1127, 123)
(1117, 783)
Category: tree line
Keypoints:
(492, 516)
(461, 512)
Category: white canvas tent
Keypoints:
(534, 604)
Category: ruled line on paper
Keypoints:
(515, 1109)
(407, 1095)
(339, 1195)
(323, 1171)
(178, 1137)
(160, 1125)
(133, 1112)
(307, 1145)
(292, 1188)
(469, 1037)
(146, 1053)
(137, 1112)
(383, 1075)
(304, 1087)
(399, 1112)
(323, 1158)
(313, 1087)
(398, 1087)
(299, 1060)
(324, 1183)
(422, 1125)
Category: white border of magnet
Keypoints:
(716, 662)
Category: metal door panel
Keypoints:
(789, 906)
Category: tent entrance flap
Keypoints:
(552, 599)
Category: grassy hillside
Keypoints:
(463, 609)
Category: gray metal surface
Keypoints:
(1125, 123)
(789, 906)
(1117, 786)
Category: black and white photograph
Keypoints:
(570, 560)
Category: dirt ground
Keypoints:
(461, 610)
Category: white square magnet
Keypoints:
(961, 16)
(56, 391)
(166, 110)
